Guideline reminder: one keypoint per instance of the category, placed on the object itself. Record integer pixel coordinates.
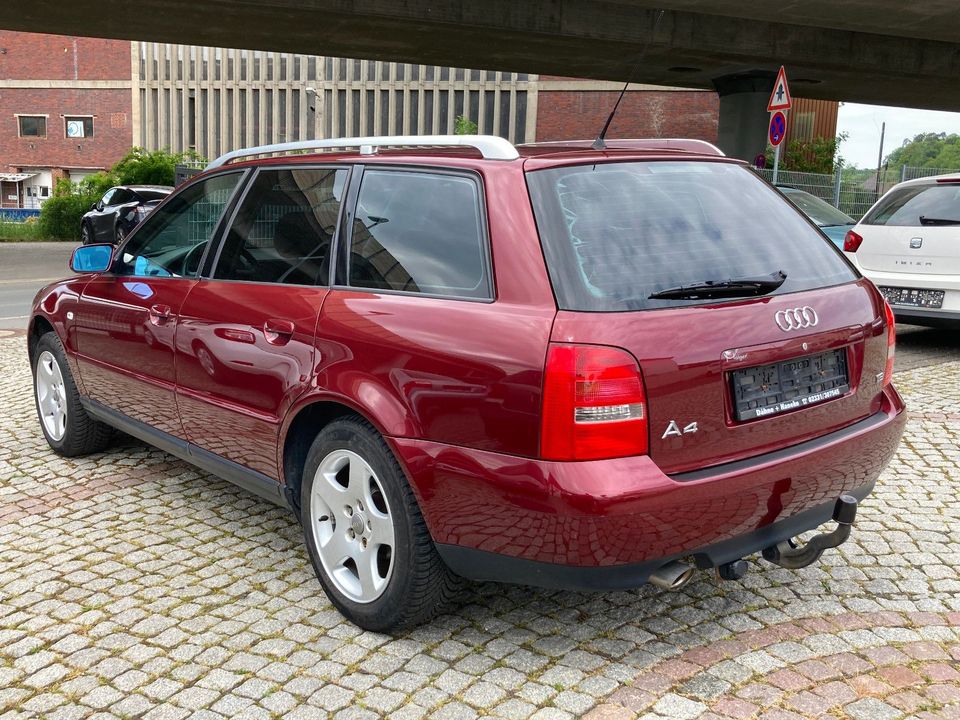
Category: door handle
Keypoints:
(278, 332)
(160, 314)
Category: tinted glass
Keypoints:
(420, 233)
(820, 211)
(905, 206)
(148, 194)
(121, 196)
(616, 233)
(107, 198)
(171, 241)
(285, 227)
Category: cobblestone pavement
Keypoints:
(132, 585)
(920, 347)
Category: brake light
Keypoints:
(851, 241)
(593, 404)
(891, 343)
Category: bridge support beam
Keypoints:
(744, 120)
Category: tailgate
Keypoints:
(719, 368)
(898, 249)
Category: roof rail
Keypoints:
(490, 146)
(701, 147)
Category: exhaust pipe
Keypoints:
(672, 576)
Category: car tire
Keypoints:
(86, 235)
(365, 534)
(67, 427)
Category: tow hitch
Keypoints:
(788, 555)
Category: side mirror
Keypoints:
(91, 258)
(95, 206)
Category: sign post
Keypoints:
(779, 104)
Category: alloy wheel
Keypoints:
(352, 526)
(51, 395)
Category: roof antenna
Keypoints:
(600, 143)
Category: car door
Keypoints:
(126, 318)
(245, 340)
(99, 216)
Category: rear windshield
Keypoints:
(615, 233)
(916, 205)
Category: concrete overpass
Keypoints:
(874, 51)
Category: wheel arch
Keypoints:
(39, 326)
(300, 430)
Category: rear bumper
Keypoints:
(482, 565)
(606, 524)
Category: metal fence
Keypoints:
(851, 190)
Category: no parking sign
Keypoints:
(778, 128)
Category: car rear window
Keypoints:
(615, 233)
(916, 205)
(821, 212)
(149, 194)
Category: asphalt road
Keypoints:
(27, 267)
(24, 269)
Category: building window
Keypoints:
(32, 125)
(78, 127)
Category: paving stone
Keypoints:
(132, 585)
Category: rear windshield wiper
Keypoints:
(938, 221)
(738, 287)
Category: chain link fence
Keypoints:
(852, 191)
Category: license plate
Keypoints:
(768, 390)
(911, 297)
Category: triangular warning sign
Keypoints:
(780, 97)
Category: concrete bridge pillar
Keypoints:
(744, 120)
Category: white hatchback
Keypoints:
(909, 245)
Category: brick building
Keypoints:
(64, 110)
(572, 108)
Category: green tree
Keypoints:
(927, 150)
(465, 126)
(819, 155)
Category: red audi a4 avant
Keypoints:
(455, 358)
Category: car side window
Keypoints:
(121, 196)
(420, 232)
(172, 239)
(107, 198)
(284, 228)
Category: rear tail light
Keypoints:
(594, 406)
(891, 343)
(851, 241)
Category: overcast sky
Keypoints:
(863, 122)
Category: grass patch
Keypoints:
(21, 231)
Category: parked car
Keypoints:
(909, 245)
(119, 211)
(548, 365)
(833, 222)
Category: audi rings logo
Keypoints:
(796, 318)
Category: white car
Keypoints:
(909, 245)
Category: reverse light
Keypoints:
(851, 241)
(891, 343)
(594, 406)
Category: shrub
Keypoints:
(60, 216)
(465, 126)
